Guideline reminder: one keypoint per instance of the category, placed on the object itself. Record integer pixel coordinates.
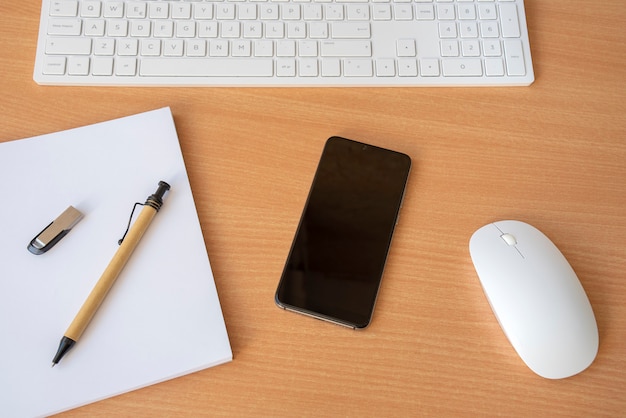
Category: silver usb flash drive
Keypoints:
(56, 230)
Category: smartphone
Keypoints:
(336, 262)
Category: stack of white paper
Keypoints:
(161, 319)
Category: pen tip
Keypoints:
(53, 364)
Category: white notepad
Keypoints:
(161, 319)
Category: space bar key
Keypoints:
(206, 67)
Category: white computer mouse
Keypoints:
(536, 297)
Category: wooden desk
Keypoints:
(553, 155)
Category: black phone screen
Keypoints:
(336, 261)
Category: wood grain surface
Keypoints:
(552, 154)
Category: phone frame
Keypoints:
(396, 204)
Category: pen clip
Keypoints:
(155, 201)
(56, 230)
(130, 219)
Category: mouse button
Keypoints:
(573, 311)
(562, 350)
(535, 245)
(492, 265)
(519, 231)
(512, 227)
(485, 242)
(514, 296)
(484, 233)
(511, 291)
(509, 238)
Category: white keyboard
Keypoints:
(283, 43)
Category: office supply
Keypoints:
(536, 297)
(164, 305)
(56, 230)
(553, 153)
(335, 266)
(99, 292)
(284, 43)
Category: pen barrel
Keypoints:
(110, 274)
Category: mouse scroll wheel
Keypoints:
(509, 239)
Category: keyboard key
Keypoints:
(126, 66)
(217, 48)
(195, 48)
(181, 10)
(468, 29)
(357, 12)
(403, 11)
(424, 12)
(66, 27)
(429, 67)
(219, 67)
(407, 68)
(251, 30)
(307, 48)
(489, 29)
(54, 65)
(470, 48)
(163, 29)
(308, 67)
(350, 30)
(102, 66)
(449, 48)
(494, 67)
(331, 67)
(117, 28)
(334, 11)
(90, 8)
(487, 11)
(346, 49)
(312, 11)
(128, 47)
(296, 30)
(318, 30)
(357, 68)
(290, 11)
(286, 49)
(514, 56)
(274, 30)
(104, 46)
(204, 11)
(285, 67)
(467, 12)
(136, 10)
(113, 9)
(385, 67)
(158, 10)
(381, 12)
(263, 48)
(78, 65)
(185, 29)
(225, 11)
(447, 30)
(467, 67)
(492, 48)
(406, 48)
(510, 20)
(445, 12)
(95, 27)
(173, 48)
(64, 8)
(68, 46)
